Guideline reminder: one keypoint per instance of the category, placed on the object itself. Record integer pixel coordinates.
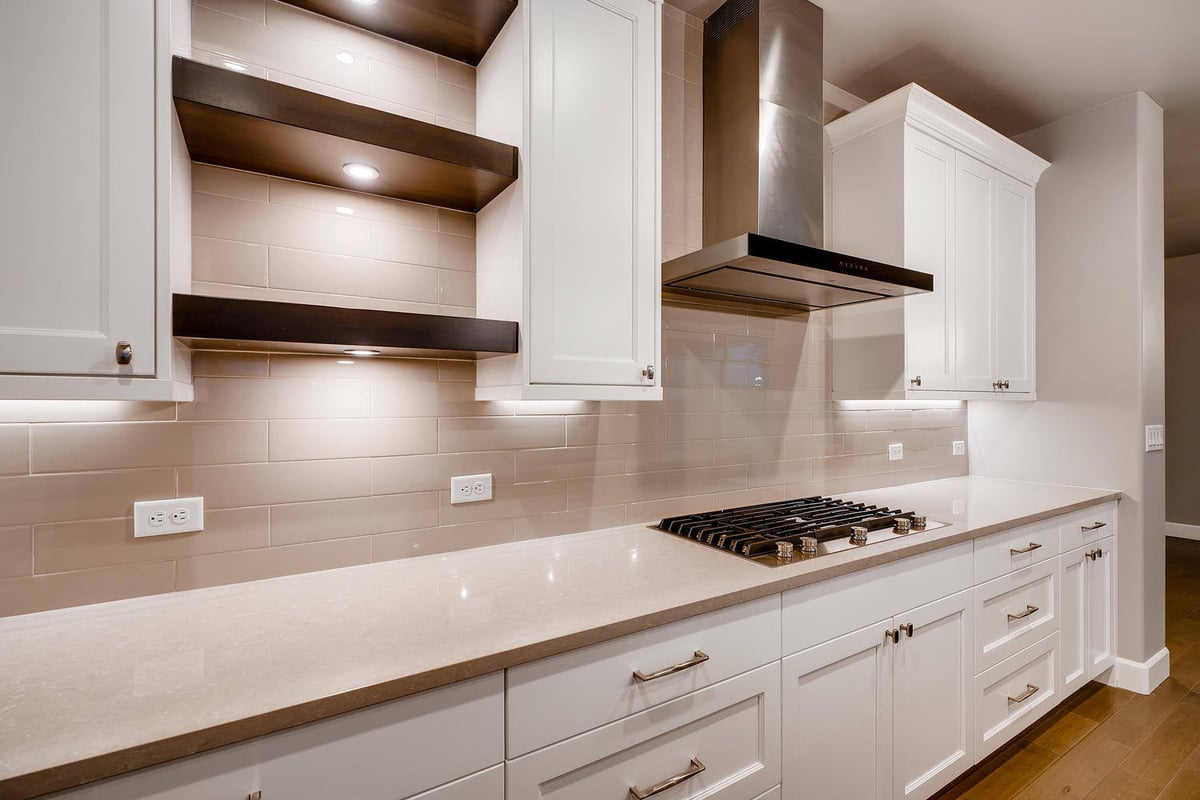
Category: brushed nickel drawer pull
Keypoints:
(1093, 527)
(697, 659)
(1030, 691)
(1029, 610)
(1032, 546)
(692, 771)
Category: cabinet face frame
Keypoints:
(113, 241)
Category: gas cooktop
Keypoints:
(785, 532)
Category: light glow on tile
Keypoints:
(366, 2)
(362, 172)
(235, 66)
(347, 210)
(895, 405)
(345, 361)
(345, 58)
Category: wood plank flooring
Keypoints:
(1105, 743)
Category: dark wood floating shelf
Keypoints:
(235, 120)
(458, 29)
(232, 324)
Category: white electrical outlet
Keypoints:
(162, 517)
(959, 448)
(1156, 438)
(471, 488)
(895, 452)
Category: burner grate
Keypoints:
(755, 531)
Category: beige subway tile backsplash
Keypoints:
(311, 462)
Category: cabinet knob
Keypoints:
(124, 353)
(254, 796)
(915, 381)
(892, 636)
(648, 372)
(908, 629)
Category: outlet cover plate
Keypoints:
(959, 448)
(895, 452)
(164, 517)
(470, 488)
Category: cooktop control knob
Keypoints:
(784, 550)
(903, 525)
(918, 522)
(858, 535)
(808, 545)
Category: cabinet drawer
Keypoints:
(1014, 611)
(827, 609)
(1016, 549)
(558, 697)
(1087, 527)
(1014, 693)
(486, 785)
(391, 750)
(731, 728)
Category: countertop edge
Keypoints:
(110, 765)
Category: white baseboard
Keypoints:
(1140, 676)
(1182, 530)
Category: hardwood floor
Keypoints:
(1105, 743)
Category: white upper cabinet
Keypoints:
(82, 208)
(913, 180)
(571, 250)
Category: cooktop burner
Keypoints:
(793, 530)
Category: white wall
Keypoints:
(1099, 343)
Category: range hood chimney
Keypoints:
(763, 171)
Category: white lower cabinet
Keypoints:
(400, 749)
(719, 743)
(885, 711)
(1014, 611)
(1088, 577)
(837, 717)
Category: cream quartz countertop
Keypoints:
(91, 692)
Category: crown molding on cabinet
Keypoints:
(934, 116)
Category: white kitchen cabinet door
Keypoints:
(929, 247)
(1101, 607)
(974, 257)
(593, 172)
(571, 251)
(837, 717)
(1073, 620)
(1014, 287)
(77, 211)
(932, 709)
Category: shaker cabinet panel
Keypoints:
(1014, 285)
(77, 214)
(571, 251)
(974, 267)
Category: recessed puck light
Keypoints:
(361, 351)
(345, 58)
(366, 2)
(363, 172)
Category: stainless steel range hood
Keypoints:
(763, 143)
